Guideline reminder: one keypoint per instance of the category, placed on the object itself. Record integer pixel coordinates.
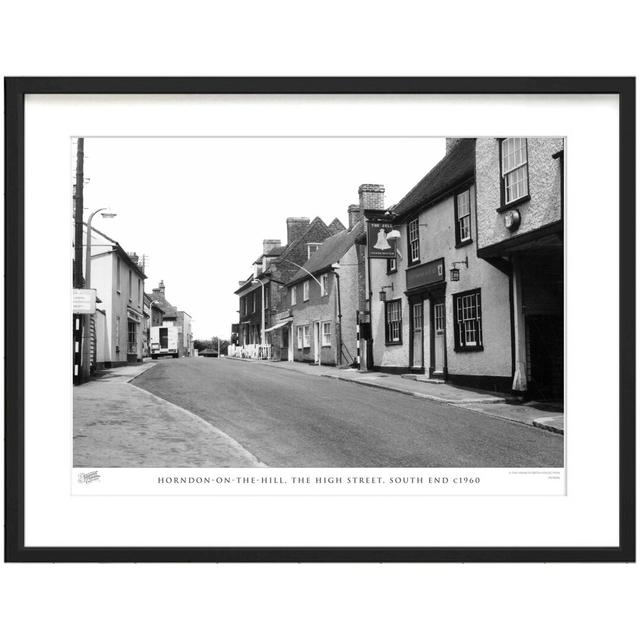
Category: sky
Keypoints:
(199, 208)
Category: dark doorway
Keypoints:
(545, 347)
(284, 351)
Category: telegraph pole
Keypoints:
(78, 211)
(79, 321)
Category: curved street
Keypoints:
(288, 419)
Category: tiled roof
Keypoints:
(331, 250)
(167, 308)
(455, 167)
(289, 249)
(336, 226)
(244, 285)
(118, 249)
(282, 252)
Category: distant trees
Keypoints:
(201, 345)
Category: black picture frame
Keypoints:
(15, 91)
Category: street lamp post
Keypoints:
(335, 266)
(86, 346)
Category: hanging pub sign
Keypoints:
(379, 245)
(84, 301)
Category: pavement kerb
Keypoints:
(366, 383)
(119, 376)
(234, 444)
(545, 423)
(151, 365)
(538, 423)
(417, 394)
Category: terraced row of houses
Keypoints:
(461, 280)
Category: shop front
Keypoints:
(279, 335)
(134, 336)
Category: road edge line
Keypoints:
(153, 364)
(225, 436)
(464, 405)
(467, 405)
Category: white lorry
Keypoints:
(164, 342)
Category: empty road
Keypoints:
(290, 419)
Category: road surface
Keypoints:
(291, 419)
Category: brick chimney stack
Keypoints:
(159, 291)
(295, 228)
(450, 143)
(269, 245)
(371, 197)
(355, 215)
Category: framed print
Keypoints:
(320, 319)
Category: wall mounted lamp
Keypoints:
(383, 293)
(455, 272)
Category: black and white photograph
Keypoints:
(354, 317)
(317, 302)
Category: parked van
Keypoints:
(164, 342)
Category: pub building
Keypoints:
(436, 308)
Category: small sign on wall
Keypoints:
(84, 301)
(425, 274)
